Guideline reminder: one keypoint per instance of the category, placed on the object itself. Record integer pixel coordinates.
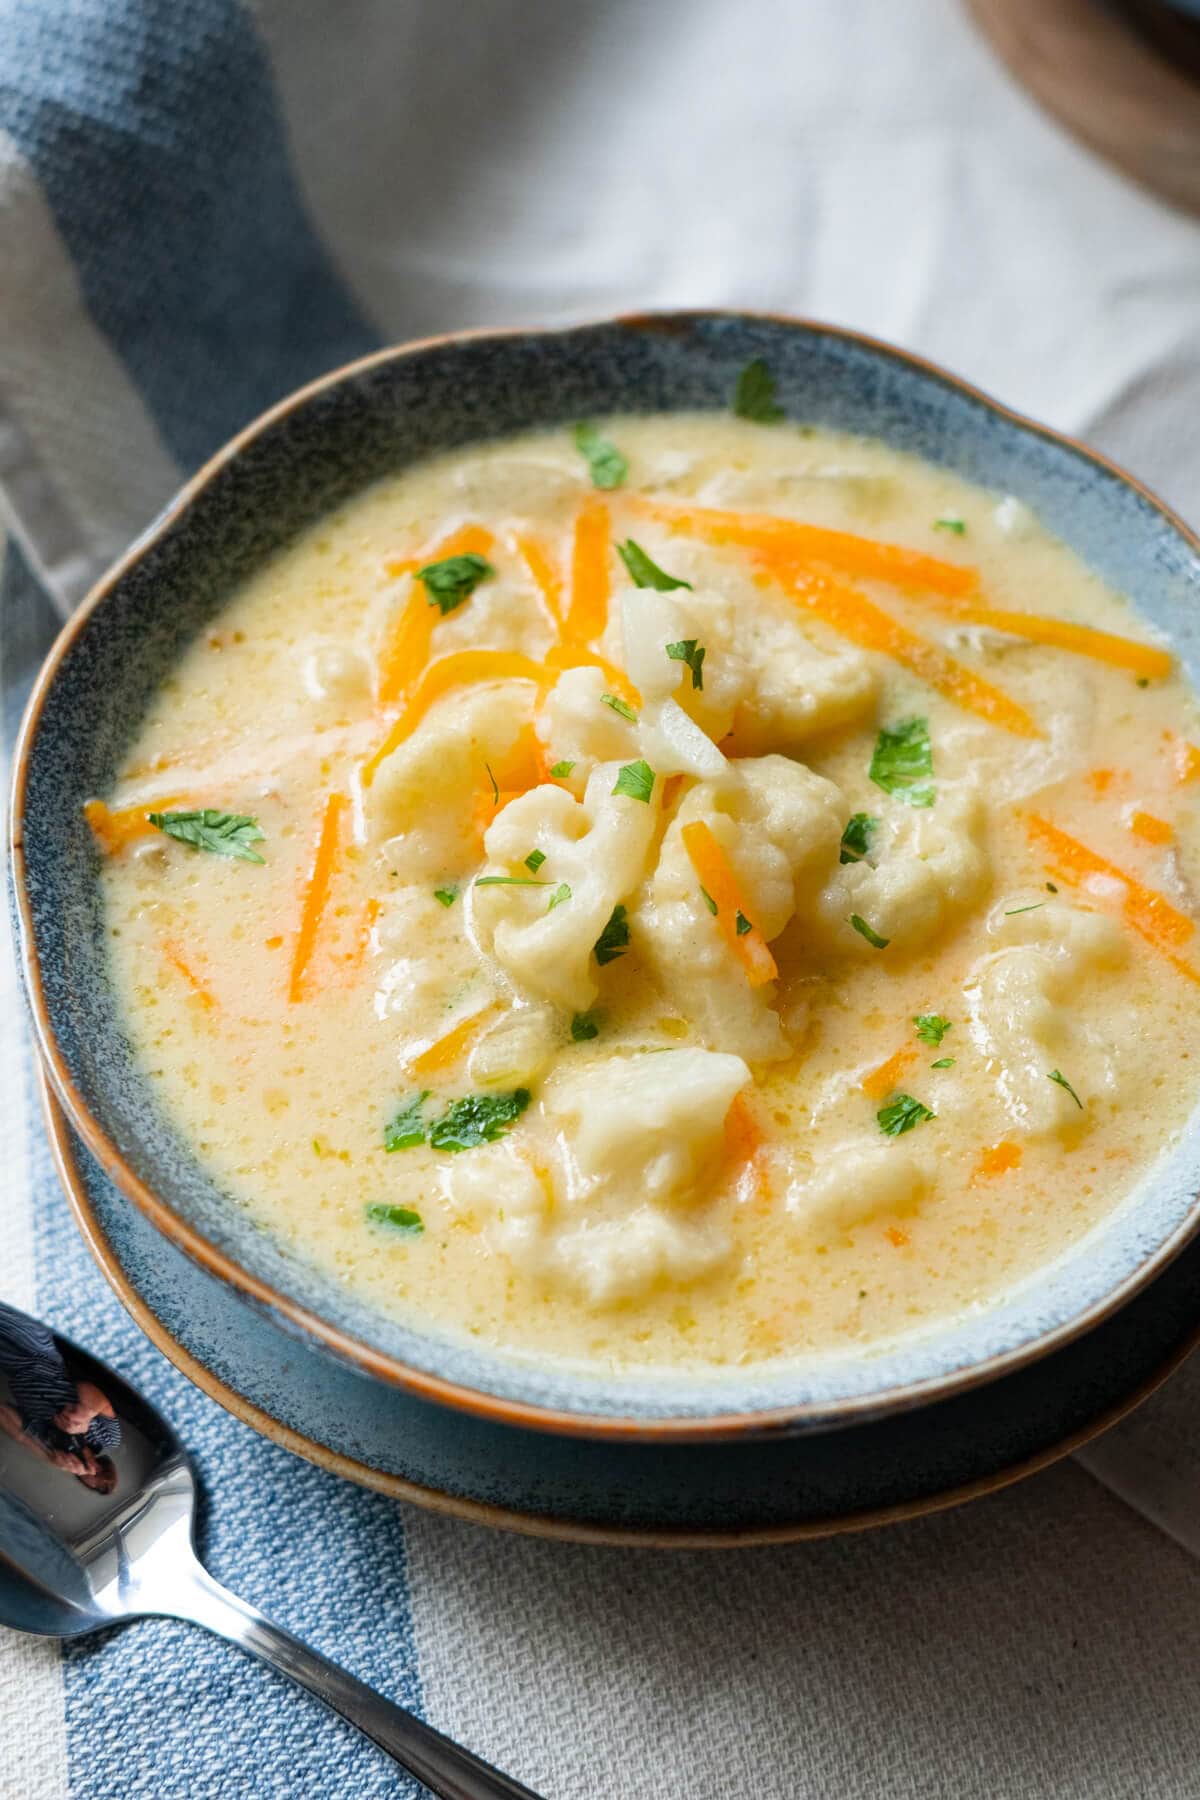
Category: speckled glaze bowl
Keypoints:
(751, 1452)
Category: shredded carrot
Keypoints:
(406, 649)
(353, 958)
(882, 1080)
(720, 884)
(114, 829)
(670, 790)
(997, 1159)
(853, 616)
(1103, 646)
(174, 955)
(1100, 779)
(571, 656)
(317, 892)
(1154, 831)
(744, 1139)
(1185, 758)
(587, 614)
(895, 1236)
(798, 543)
(449, 1049)
(272, 943)
(1146, 910)
(467, 539)
(546, 576)
(464, 668)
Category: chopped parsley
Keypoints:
(943, 1062)
(635, 779)
(1050, 888)
(901, 1114)
(614, 939)
(931, 1027)
(561, 769)
(708, 901)
(447, 896)
(562, 892)
(508, 881)
(408, 1127)
(1032, 907)
(495, 785)
(1057, 1075)
(477, 1119)
(605, 461)
(225, 834)
(644, 572)
(754, 395)
(691, 652)
(902, 763)
(449, 582)
(742, 925)
(534, 861)
(620, 706)
(864, 930)
(857, 837)
(957, 526)
(399, 1218)
(584, 1025)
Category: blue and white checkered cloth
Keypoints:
(204, 204)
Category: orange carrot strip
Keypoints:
(1154, 831)
(720, 884)
(570, 656)
(1185, 758)
(466, 539)
(449, 1049)
(546, 576)
(317, 893)
(853, 616)
(882, 1080)
(1147, 911)
(406, 650)
(114, 829)
(997, 1159)
(744, 1139)
(843, 550)
(174, 955)
(587, 614)
(1121, 652)
(462, 669)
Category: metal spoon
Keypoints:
(97, 1503)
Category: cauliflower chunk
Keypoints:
(780, 826)
(930, 865)
(597, 847)
(858, 1184)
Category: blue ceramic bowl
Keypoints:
(305, 456)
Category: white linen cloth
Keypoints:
(471, 162)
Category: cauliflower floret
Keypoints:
(930, 864)
(515, 1050)
(780, 826)
(577, 726)
(795, 691)
(620, 1259)
(597, 847)
(500, 616)
(858, 1183)
(1024, 1002)
(421, 792)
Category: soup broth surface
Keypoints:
(737, 912)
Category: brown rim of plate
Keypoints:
(375, 1362)
(503, 1518)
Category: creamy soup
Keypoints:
(688, 891)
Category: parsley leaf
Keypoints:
(447, 896)
(605, 461)
(534, 861)
(931, 1027)
(864, 930)
(614, 939)
(1057, 1075)
(901, 1114)
(449, 582)
(943, 1062)
(903, 762)
(225, 834)
(561, 769)
(477, 1119)
(742, 925)
(562, 892)
(495, 785)
(635, 779)
(620, 706)
(691, 652)
(508, 881)
(957, 526)
(644, 572)
(400, 1218)
(408, 1127)
(584, 1025)
(754, 396)
(857, 837)
(708, 901)
(1014, 910)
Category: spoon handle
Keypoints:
(445, 1767)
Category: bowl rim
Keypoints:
(425, 1384)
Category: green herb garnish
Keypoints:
(508, 881)
(534, 861)
(408, 1127)
(495, 785)
(614, 939)
(449, 582)
(644, 572)
(399, 1218)
(754, 395)
(561, 769)
(584, 1025)
(931, 1027)
(562, 892)
(957, 526)
(903, 762)
(620, 706)
(857, 837)
(708, 901)
(691, 652)
(901, 1114)
(605, 461)
(477, 1119)
(943, 1062)
(864, 930)
(635, 779)
(1050, 888)
(742, 925)
(1057, 1075)
(1032, 907)
(225, 834)
(447, 896)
